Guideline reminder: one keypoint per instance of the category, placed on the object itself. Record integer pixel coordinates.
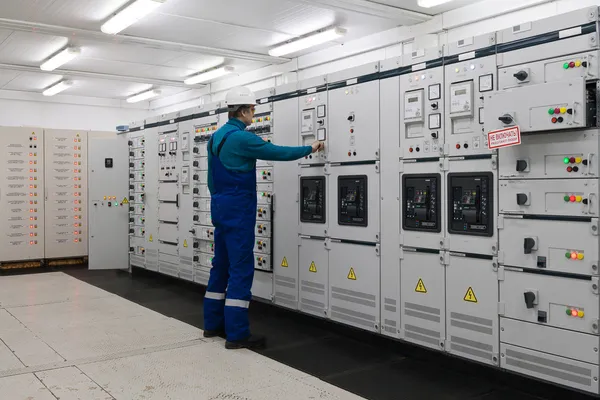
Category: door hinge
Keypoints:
(494, 161)
(444, 165)
(595, 281)
(594, 226)
(501, 222)
(378, 250)
(495, 264)
(377, 167)
(400, 166)
(501, 309)
(401, 253)
(500, 274)
(445, 258)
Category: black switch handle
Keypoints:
(521, 165)
(521, 75)
(529, 299)
(506, 119)
(528, 245)
(521, 199)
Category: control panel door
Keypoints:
(108, 224)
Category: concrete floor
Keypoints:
(62, 338)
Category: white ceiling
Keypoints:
(186, 36)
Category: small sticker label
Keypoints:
(150, 239)
(125, 201)
(313, 267)
(504, 138)
(466, 56)
(185, 243)
(284, 262)
(420, 287)
(419, 67)
(351, 274)
(470, 296)
(570, 32)
(352, 81)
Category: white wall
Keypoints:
(67, 112)
(65, 116)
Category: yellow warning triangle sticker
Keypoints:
(150, 239)
(313, 267)
(351, 274)
(420, 287)
(125, 201)
(284, 262)
(185, 243)
(470, 296)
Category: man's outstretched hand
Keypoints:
(318, 146)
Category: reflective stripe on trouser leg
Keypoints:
(240, 246)
(237, 303)
(214, 296)
(214, 306)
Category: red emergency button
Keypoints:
(458, 146)
(410, 150)
(554, 120)
(572, 199)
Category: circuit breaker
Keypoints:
(470, 201)
(313, 199)
(353, 116)
(313, 118)
(421, 202)
(353, 207)
(354, 202)
(470, 74)
(422, 104)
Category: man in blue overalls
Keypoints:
(232, 155)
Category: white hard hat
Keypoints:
(240, 96)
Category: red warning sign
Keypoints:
(504, 138)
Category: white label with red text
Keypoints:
(504, 138)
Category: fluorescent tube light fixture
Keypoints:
(144, 96)
(60, 58)
(130, 15)
(431, 3)
(209, 75)
(308, 41)
(57, 88)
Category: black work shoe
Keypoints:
(212, 334)
(252, 342)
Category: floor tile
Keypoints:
(24, 387)
(8, 360)
(72, 384)
(206, 371)
(27, 346)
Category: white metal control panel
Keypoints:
(66, 193)
(422, 104)
(21, 194)
(470, 74)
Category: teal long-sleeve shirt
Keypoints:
(243, 148)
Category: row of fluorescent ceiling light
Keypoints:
(141, 8)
